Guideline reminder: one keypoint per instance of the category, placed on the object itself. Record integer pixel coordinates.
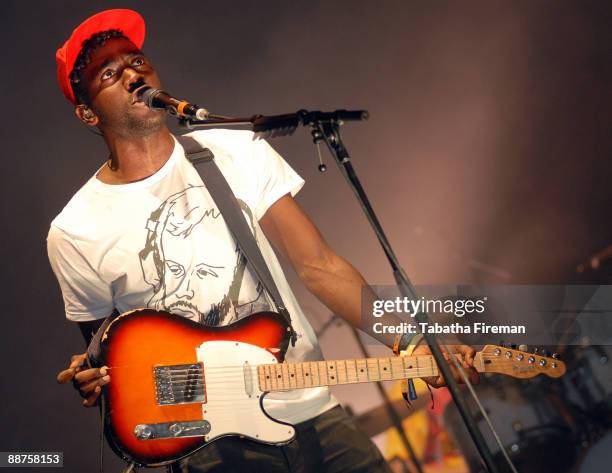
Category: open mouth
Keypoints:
(134, 88)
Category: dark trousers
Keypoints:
(329, 443)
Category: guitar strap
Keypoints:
(203, 161)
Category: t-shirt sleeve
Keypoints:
(274, 178)
(86, 296)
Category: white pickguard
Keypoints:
(232, 402)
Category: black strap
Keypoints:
(204, 162)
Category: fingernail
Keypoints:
(103, 370)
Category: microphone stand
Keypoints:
(326, 127)
(329, 131)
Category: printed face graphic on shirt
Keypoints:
(192, 261)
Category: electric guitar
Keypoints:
(177, 385)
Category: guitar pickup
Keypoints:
(179, 384)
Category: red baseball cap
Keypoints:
(130, 23)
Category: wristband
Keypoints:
(404, 343)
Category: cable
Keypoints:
(102, 406)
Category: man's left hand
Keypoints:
(466, 360)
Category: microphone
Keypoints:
(160, 99)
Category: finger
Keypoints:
(461, 356)
(91, 400)
(90, 374)
(65, 376)
(467, 365)
(468, 353)
(77, 360)
(87, 388)
(441, 380)
(434, 381)
(453, 367)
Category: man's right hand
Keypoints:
(88, 382)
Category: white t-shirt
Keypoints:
(162, 243)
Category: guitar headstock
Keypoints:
(517, 363)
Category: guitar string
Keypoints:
(392, 371)
(393, 375)
(342, 380)
(241, 392)
(227, 393)
(295, 383)
(274, 370)
(425, 359)
(181, 394)
(358, 360)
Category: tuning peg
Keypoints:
(536, 350)
(556, 356)
(523, 348)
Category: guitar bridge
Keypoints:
(179, 384)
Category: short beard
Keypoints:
(126, 125)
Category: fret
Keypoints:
(285, 376)
(426, 366)
(270, 375)
(373, 371)
(351, 369)
(434, 368)
(263, 385)
(261, 377)
(322, 366)
(408, 362)
(269, 378)
(314, 373)
(341, 372)
(292, 380)
(307, 374)
(332, 374)
(384, 368)
(397, 369)
(362, 370)
(299, 375)
(278, 375)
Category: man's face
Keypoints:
(195, 280)
(115, 70)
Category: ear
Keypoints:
(86, 115)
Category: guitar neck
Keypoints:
(311, 374)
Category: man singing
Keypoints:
(144, 232)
